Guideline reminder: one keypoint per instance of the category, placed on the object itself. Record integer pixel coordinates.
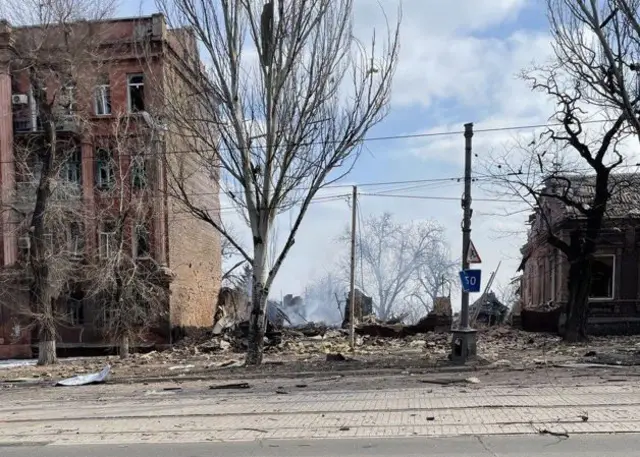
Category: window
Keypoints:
(107, 240)
(105, 176)
(47, 241)
(139, 172)
(103, 99)
(602, 277)
(75, 239)
(135, 93)
(72, 168)
(142, 247)
(75, 311)
(68, 99)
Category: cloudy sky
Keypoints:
(459, 63)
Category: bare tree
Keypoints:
(282, 110)
(391, 255)
(590, 75)
(598, 43)
(433, 276)
(129, 288)
(232, 260)
(51, 60)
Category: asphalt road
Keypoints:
(495, 446)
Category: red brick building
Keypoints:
(138, 59)
(615, 292)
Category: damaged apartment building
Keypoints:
(131, 69)
(614, 303)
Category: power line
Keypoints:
(435, 197)
(374, 139)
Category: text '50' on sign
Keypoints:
(470, 280)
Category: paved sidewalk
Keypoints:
(105, 414)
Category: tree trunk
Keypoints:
(124, 347)
(257, 320)
(578, 304)
(41, 293)
(47, 345)
(41, 305)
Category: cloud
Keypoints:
(440, 56)
(456, 58)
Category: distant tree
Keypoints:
(391, 256)
(433, 277)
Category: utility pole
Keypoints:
(352, 278)
(464, 338)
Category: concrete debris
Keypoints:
(181, 367)
(311, 345)
(502, 363)
(337, 358)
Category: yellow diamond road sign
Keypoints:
(472, 254)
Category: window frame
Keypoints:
(109, 235)
(130, 85)
(111, 179)
(73, 166)
(70, 91)
(75, 239)
(613, 278)
(102, 99)
(138, 172)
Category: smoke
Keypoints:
(323, 311)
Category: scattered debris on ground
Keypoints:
(87, 379)
(233, 385)
(308, 347)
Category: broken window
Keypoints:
(103, 97)
(602, 277)
(105, 176)
(142, 241)
(107, 240)
(136, 93)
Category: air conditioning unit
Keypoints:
(24, 242)
(20, 99)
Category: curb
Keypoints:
(290, 375)
(242, 374)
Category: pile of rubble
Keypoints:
(313, 344)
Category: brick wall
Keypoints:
(193, 245)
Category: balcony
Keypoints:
(63, 191)
(24, 123)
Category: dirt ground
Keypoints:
(297, 355)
